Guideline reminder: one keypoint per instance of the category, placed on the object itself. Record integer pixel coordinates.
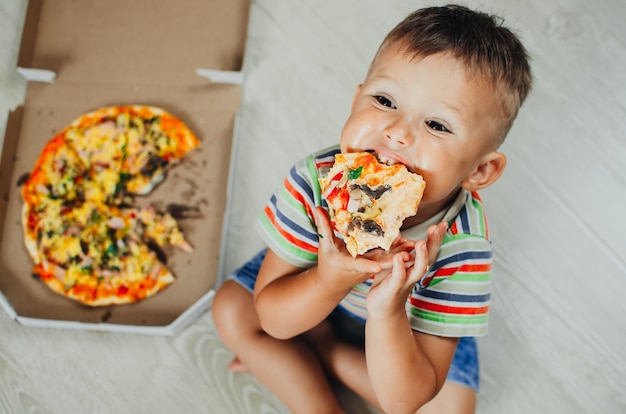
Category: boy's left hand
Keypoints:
(389, 291)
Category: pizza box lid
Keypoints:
(185, 57)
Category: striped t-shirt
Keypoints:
(452, 299)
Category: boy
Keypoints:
(439, 97)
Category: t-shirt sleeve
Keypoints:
(453, 298)
(287, 222)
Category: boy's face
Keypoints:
(426, 114)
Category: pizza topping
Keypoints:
(152, 164)
(356, 173)
(336, 183)
(355, 200)
(116, 223)
(369, 226)
(373, 193)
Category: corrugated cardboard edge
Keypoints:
(29, 33)
(221, 276)
(179, 324)
(9, 146)
(7, 306)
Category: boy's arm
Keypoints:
(291, 300)
(406, 368)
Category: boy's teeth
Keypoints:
(384, 160)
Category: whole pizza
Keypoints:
(87, 240)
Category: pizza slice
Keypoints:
(368, 201)
(99, 139)
(156, 142)
(162, 229)
(129, 148)
(59, 174)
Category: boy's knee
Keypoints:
(232, 306)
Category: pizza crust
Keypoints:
(368, 201)
(30, 241)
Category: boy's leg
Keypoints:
(346, 362)
(340, 346)
(239, 327)
(289, 369)
(453, 398)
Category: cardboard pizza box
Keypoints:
(183, 56)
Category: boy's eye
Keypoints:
(436, 126)
(384, 101)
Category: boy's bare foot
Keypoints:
(237, 366)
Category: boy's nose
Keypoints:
(400, 132)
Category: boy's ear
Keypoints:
(486, 173)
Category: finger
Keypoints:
(385, 258)
(406, 245)
(380, 276)
(435, 236)
(398, 275)
(402, 243)
(324, 226)
(328, 241)
(363, 265)
(420, 266)
(399, 241)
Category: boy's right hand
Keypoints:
(337, 266)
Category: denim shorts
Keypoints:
(463, 370)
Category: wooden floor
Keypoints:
(557, 341)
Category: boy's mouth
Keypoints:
(387, 159)
(384, 159)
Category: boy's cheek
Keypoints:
(357, 134)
